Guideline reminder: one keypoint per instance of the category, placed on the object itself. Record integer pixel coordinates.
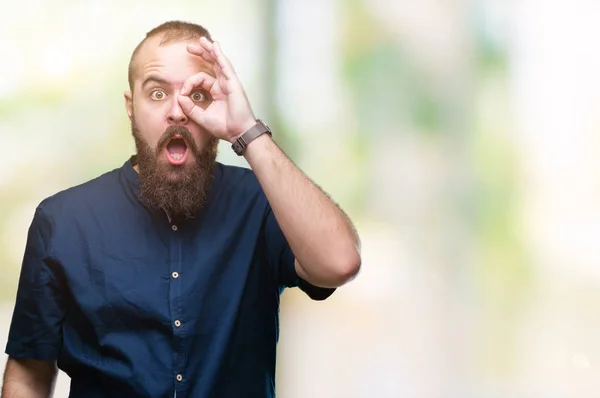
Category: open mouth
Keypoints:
(177, 151)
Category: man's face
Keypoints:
(175, 155)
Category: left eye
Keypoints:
(197, 96)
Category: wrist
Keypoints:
(238, 132)
(241, 142)
(258, 146)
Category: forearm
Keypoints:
(17, 389)
(28, 379)
(319, 233)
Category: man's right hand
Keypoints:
(28, 378)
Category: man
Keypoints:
(162, 278)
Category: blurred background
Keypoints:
(462, 137)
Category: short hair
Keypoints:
(170, 31)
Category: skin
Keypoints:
(160, 74)
(322, 238)
(28, 378)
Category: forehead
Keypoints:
(171, 61)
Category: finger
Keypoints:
(206, 44)
(198, 50)
(208, 57)
(223, 85)
(190, 108)
(218, 70)
(202, 79)
(209, 49)
(195, 49)
(223, 62)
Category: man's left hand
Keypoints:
(229, 114)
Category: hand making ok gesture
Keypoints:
(229, 114)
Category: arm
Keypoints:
(322, 238)
(34, 336)
(28, 378)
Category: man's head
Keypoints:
(176, 156)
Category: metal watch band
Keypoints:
(239, 145)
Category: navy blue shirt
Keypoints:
(131, 304)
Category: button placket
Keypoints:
(175, 265)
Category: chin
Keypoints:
(176, 173)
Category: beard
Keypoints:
(181, 190)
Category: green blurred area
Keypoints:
(399, 100)
(392, 93)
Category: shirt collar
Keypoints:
(131, 175)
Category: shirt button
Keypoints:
(179, 377)
(174, 227)
(177, 323)
(175, 275)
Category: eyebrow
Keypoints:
(155, 79)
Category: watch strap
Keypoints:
(260, 128)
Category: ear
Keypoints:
(129, 103)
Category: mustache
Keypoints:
(173, 131)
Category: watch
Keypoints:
(260, 128)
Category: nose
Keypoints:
(176, 114)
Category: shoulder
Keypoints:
(238, 195)
(236, 180)
(235, 174)
(82, 196)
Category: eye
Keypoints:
(198, 96)
(157, 94)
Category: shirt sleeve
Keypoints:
(35, 330)
(281, 259)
